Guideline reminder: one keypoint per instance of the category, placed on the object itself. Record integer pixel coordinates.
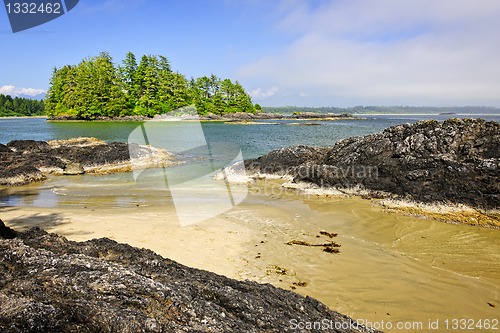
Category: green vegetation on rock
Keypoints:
(97, 88)
(13, 107)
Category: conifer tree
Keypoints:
(96, 87)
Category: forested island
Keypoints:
(96, 87)
(20, 107)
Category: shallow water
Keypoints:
(390, 268)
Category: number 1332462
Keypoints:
(27, 8)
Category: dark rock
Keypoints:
(284, 160)
(26, 161)
(268, 116)
(6, 232)
(23, 167)
(314, 115)
(28, 146)
(211, 116)
(43, 161)
(253, 116)
(4, 149)
(101, 118)
(242, 116)
(50, 284)
(93, 155)
(17, 171)
(452, 161)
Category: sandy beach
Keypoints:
(156, 229)
(424, 260)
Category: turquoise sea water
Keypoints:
(254, 140)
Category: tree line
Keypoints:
(96, 87)
(17, 106)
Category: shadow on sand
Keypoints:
(45, 221)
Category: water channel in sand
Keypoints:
(390, 268)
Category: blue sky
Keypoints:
(284, 52)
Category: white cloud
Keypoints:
(15, 91)
(262, 94)
(415, 52)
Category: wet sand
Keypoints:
(390, 267)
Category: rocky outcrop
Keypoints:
(100, 118)
(452, 161)
(4, 149)
(273, 116)
(50, 284)
(242, 116)
(236, 116)
(322, 116)
(285, 161)
(26, 161)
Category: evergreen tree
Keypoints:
(20, 106)
(98, 91)
(128, 73)
(176, 92)
(147, 81)
(95, 87)
(62, 85)
(243, 100)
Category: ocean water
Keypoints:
(253, 140)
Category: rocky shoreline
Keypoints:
(241, 116)
(50, 284)
(26, 161)
(228, 117)
(455, 162)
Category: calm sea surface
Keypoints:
(254, 140)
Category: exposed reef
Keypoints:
(242, 116)
(26, 161)
(228, 117)
(451, 162)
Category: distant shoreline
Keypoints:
(239, 117)
(24, 117)
(428, 114)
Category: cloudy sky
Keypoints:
(284, 52)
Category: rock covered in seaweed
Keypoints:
(50, 284)
(452, 161)
(285, 160)
(4, 149)
(26, 161)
